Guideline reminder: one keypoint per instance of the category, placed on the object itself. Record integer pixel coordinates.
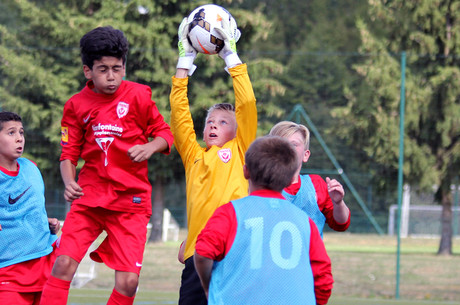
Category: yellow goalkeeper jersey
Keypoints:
(213, 176)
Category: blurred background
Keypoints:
(364, 76)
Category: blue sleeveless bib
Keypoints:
(25, 231)
(269, 261)
(305, 199)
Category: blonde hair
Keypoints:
(222, 106)
(286, 129)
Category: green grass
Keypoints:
(363, 266)
(100, 296)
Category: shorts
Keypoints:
(20, 298)
(18, 278)
(191, 292)
(20, 286)
(123, 247)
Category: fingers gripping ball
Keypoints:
(203, 22)
(187, 53)
(230, 34)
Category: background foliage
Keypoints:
(340, 60)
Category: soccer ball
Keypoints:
(203, 21)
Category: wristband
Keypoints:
(232, 60)
(186, 62)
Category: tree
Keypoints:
(428, 32)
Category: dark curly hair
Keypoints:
(6, 116)
(103, 41)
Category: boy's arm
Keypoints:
(181, 118)
(336, 192)
(320, 266)
(245, 101)
(214, 242)
(245, 106)
(203, 266)
(328, 208)
(68, 173)
(139, 153)
(181, 73)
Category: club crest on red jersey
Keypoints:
(122, 109)
(225, 154)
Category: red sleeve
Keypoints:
(325, 204)
(157, 127)
(72, 137)
(320, 266)
(216, 238)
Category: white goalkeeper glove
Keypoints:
(187, 53)
(231, 35)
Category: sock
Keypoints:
(55, 292)
(117, 298)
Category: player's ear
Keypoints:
(306, 156)
(87, 71)
(246, 172)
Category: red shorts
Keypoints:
(18, 285)
(123, 247)
(20, 298)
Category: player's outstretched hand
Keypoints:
(335, 189)
(54, 225)
(187, 53)
(230, 34)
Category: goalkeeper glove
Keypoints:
(187, 53)
(230, 34)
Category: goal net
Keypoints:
(421, 220)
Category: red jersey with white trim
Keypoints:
(217, 237)
(100, 128)
(323, 200)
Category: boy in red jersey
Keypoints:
(214, 174)
(321, 200)
(108, 124)
(261, 249)
(27, 235)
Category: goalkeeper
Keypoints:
(214, 174)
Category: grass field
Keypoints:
(363, 266)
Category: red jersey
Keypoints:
(323, 200)
(217, 238)
(100, 129)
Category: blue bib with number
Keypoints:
(269, 261)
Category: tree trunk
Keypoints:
(157, 211)
(445, 246)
